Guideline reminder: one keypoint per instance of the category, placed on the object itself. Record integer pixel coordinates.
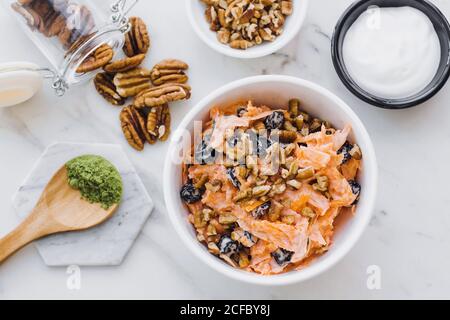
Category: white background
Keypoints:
(407, 238)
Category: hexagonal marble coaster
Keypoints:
(106, 244)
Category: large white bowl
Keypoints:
(275, 91)
(196, 13)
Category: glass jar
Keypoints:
(67, 32)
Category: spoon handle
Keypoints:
(33, 227)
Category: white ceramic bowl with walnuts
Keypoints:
(274, 91)
(292, 25)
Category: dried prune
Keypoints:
(204, 154)
(262, 210)
(274, 121)
(282, 256)
(356, 188)
(227, 245)
(345, 151)
(190, 194)
(232, 177)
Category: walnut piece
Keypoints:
(163, 94)
(104, 84)
(132, 82)
(169, 71)
(99, 58)
(137, 40)
(125, 64)
(245, 23)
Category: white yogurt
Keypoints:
(392, 52)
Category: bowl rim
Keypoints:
(251, 53)
(392, 104)
(286, 278)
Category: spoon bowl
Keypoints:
(59, 209)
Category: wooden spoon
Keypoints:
(59, 209)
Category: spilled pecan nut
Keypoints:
(99, 58)
(137, 40)
(104, 84)
(158, 122)
(125, 64)
(132, 82)
(163, 94)
(133, 125)
(169, 71)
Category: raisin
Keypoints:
(356, 189)
(204, 154)
(190, 194)
(345, 150)
(282, 256)
(227, 245)
(232, 176)
(274, 120)
(262, 210)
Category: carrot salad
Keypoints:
(264, 187)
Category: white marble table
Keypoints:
(407, 238)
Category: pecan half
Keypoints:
(46, 13)
(158, 122)
(132, 82)
(125, 64)
(31, 17)
(55, 26)
(104, 84)
(169, 71)
(163, 94)
(137, 40)
(99, 58)
(133, 125)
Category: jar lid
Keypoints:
(19, 82)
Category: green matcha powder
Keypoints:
(96, 178)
